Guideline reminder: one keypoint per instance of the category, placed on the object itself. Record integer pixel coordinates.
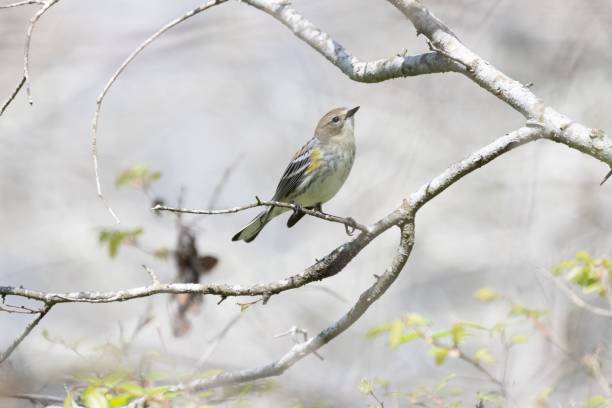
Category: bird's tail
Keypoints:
(250, 232)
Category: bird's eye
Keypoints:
(335, 119)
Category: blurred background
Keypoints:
(233, 89)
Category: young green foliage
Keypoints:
(114, 238)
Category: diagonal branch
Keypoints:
(6, 353)
(20, 3)
(561, 129)
(302, 350)
(371, 71)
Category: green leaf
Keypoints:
(69, 401)
(120, 400)
(93, 397)
(597, 401)
(439, 354)
(378, 330)
(161, 253)
(114, 238)
(519, 339)
(366, 386)
(415, 319)
(132, 389)
(138, 176)
(458, 333)
(111, 380)
(483, 355)
(486, 294)
(395, 334)
(520, 310)
(488, 397)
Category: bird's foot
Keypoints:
(297, 209)
(350, 226)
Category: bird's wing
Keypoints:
(301, 165)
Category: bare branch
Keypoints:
(302, 350)
(111, 81)
(577, 300)
(26, 53)
(4, 355)
(560, 128)
(14, 94)
(38, 398)
(25, 79)
(371, 71)
(349, 222)
(20, 3)
(152, 274)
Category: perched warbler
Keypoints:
(316, 172)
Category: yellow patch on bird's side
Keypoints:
(315, 161)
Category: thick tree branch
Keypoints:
(371, 71)
(450, 55)
(562, 129)
(302, 350)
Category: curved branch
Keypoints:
(298, 352)
(348, 222)
(111, 81)
(25, 79)
(21, 3)
(577, 300)
(371, 71)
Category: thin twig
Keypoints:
(152, 274)
(111, 81)
(37, 398)
(14, 94)
(577, 300)
(6, 354)
(20, 3)
(216, 193)
(314, 213)
(26, 53)
(606, 178)
(215, 341)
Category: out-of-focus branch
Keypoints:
(21, 3)
(6, 353)
(25, 79)
(577, 300)
(43, 400)
(349, 222)
(111, 81)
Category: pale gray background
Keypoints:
(233, 83)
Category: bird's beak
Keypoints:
(352, 112)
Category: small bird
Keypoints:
(316, 172)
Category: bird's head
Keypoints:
(337, 123)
